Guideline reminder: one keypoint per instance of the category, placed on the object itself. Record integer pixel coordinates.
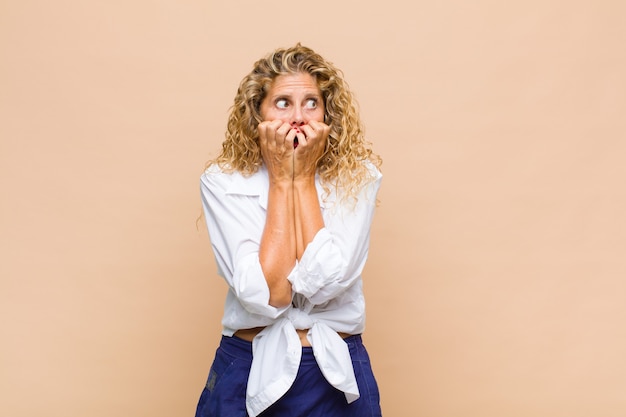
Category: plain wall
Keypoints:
(496, 279)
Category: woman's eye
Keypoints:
(311, 103)
(281, 103)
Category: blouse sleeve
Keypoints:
(235, 223)
(335, 258)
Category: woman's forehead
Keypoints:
(292, 82)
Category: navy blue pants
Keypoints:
(310, 395)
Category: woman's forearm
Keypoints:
(307, 213)
(277, 251)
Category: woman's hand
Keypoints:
(276, 142)
(312, 139)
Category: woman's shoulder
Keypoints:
(373, 169)
(220, 170)
(224, 169)
(219, 176)
(213, 168)
(371, 175)
(216, 176)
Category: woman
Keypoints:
(288, 205)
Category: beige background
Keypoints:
(496, 282)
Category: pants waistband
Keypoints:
(242, 349)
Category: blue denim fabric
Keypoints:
(311, 395)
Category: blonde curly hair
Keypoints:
(342, 165)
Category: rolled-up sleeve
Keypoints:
(335, 258)
(235, 224)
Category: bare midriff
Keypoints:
(248, 334)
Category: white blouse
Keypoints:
(326, 282)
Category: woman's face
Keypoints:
(293, 98)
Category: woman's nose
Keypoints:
(296, 117)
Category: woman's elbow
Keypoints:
(280, 298)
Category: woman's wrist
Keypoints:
(304, 181)
(281, 183)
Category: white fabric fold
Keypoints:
(277, 352)
(333, 357)
(270, 379)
